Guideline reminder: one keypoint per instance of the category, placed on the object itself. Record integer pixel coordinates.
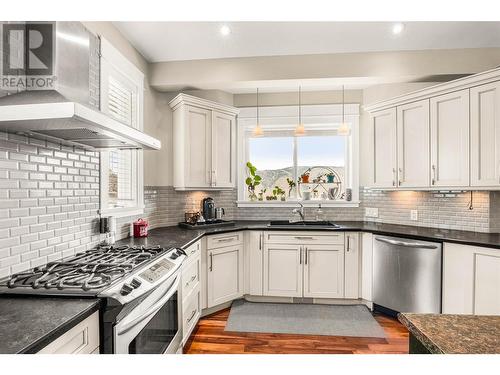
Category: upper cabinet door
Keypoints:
(223, 150)
(413, 145)
(485, 135)
(450, 139)
(383, 127)
(198, 146)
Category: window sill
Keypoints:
(293, 204)
(122, 212)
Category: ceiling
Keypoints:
(174, 41)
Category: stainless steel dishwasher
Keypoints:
(406, 275)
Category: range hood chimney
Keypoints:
(64, 113)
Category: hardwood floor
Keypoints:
(209, 337)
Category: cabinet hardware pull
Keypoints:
(211, 262)
(394, 176)
(300, 255)
(192, 316)
(225, 239)
(433, 174)
(303, 238)
(306, 251)
(260, 241)
(215, 177)
(348, 243)
(190, 280)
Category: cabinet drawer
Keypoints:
(190, 276)
(304, 237)
(223, 240)
(194, 249)
(191, 313)
(81, 339)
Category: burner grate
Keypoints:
(90, 270)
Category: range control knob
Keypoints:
(174, 255)
(126, 289)
(135, 283)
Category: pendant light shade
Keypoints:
(300, 129)
(257, 131)
(344, 128)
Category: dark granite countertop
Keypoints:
(27, 324)
(455, 334)
(175, 236)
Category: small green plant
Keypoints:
(277, 191)
(252, 181)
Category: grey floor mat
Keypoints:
(308, 319)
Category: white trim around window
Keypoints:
(320, 119)
(118, 70)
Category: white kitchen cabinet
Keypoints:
(323, 271)
(413, 144)
(383, 128)
(81, 339)
(224, 274)
(450, 139)
(485, 135)
(352, 265)
(204, 144)
(223, 149)
(255, 262)
(471, 280)
(283, 270)
(366, 266)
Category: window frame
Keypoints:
(319, 119)
(112, 61)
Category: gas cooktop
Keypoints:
(90, 272)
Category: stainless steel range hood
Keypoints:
(64, 114)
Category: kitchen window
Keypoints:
(327, 154)
(122, 95)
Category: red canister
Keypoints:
(140, 228)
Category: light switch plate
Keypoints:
(414, 215)
(371, 212)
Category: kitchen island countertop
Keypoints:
(453, 334)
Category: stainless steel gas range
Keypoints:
(139, 287)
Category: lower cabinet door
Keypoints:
(81, 339)
(471, 280)
(255, 249)
(224, 274)
(283, 270)
(324, 271)
(191, 312)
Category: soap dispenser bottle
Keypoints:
(320, 216)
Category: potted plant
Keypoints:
(277, 191)
(305, 177)
(330, 177)
(252, 181)
(291, 185)
(261, 194)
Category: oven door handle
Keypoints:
(153, 310)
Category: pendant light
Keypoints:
(257, 131)
(300, 129)
(344, 128)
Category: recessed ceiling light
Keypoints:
(225, 30)
(398, 28)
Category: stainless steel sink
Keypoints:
(305, 223)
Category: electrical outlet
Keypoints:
(371, 212)
(414, 215)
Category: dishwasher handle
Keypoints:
(407, 244)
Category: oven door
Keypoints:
(153, 326)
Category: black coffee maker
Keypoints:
(208, 209)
